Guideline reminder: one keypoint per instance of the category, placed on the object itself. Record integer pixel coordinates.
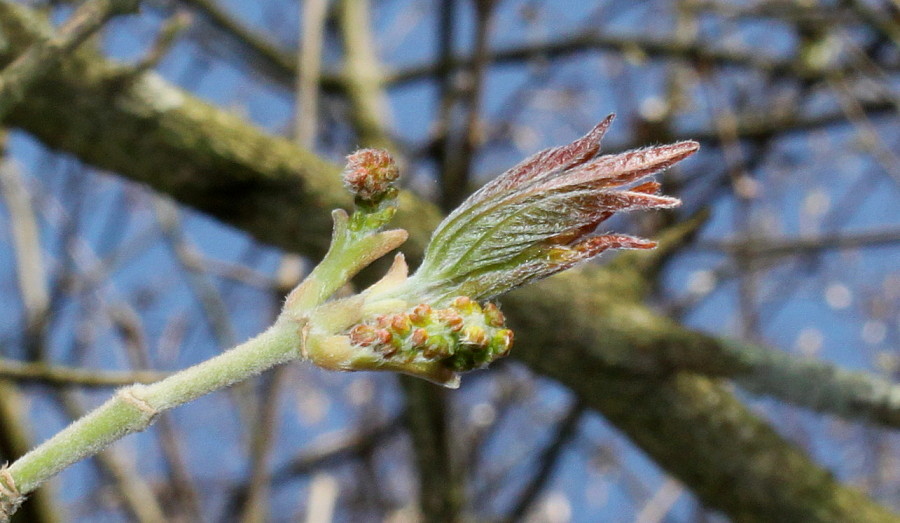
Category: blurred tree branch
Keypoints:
(546, 462)
(15, 441)
(362, 76)
(279, 65)
(57, 375)
(266, 57)
(45, 53)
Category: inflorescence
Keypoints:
(463, 336)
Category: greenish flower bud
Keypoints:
(461, 337)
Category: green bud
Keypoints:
(461, 337)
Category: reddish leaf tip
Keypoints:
(651, 187)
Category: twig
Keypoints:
(15, 441)
(27, 251)
(306, 118)
(777, 247)
(546, 463)
(266, 425)
(265, 56)
(880, 21)
(172, 28)
(440, 493)
(214, 307)
(323, 492)
(134, 408)
(658, 506)
(738, 169)
(61, 376)
(446, 75)
(868, 134)
(590, 40)
(333, 448)
(185, 494)
(137, 495)
(456, 171)
(43, 55)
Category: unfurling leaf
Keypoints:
(538, 218)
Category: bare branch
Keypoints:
(699, 53)
(546, 463)
(267, 58)
(362, 76)
(778, 247)
(306, 118)
(45, 53)
(61, 376)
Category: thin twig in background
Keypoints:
(362, 71)
(137, 496)
(15, 437)
(255, 508)
(61, 376)
(309, 59)
(267, 58)
(546, 463)
(465, 138)
(658, 506)
(323, 492)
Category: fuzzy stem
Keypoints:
(134, 408)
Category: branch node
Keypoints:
(10, 498)
(128, 396)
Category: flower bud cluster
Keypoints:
(370, 174)
(463, 336)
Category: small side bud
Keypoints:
(363, 335)
(10, 498)
(370, 174)
(493, 316)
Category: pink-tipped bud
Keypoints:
(493, 316)
(419, 337)
(401, 324)
(474, 335)
(502, 342)
(363, 335)
(420, 314)
(450, 318)
(370, 173)
(466, 305)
